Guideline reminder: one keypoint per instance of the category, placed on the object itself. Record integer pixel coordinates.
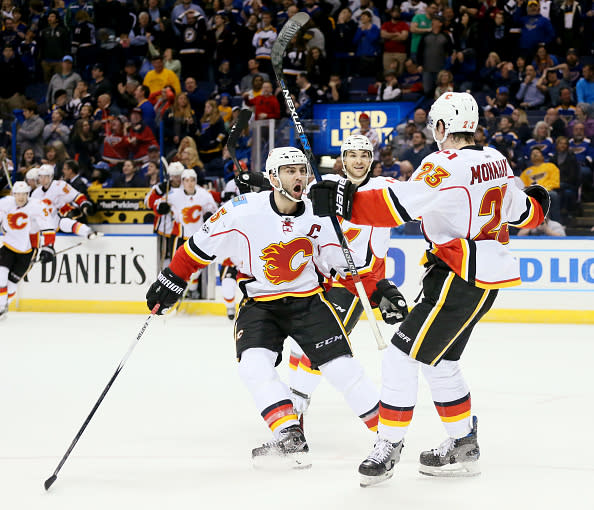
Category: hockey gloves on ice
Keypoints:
(541, 195)
(163, 208)
(47, 254)
(166, 291)
(390, 301)
(333, 198)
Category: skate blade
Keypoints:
(283, 462)
(368, 481)
(458, 470)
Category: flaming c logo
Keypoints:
(281, 258)
(191, 214)
(17, 221)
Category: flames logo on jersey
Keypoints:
(191, 214)
(17, 221)
(281, 259)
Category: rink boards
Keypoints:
(112, 275)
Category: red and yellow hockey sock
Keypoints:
(280, 413)
(455, 416)
(371, 418)
(394, 421)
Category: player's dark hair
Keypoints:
(463, 136)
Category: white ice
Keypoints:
(176, 429)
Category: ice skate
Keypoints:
(289, 451)
(94, 235)
(454, 457)
(379, 464)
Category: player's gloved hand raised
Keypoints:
(87, 208)
(245, 180)
(161, 188)
(390, 301)
(165, 291)
(541, 195)
(47, 254)
(163, 208)
(333, 198)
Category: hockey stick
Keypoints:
(7, 174)
(292, 26)
(48, 483)
(242, 121)
(164, 239)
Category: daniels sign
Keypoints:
(110, 268)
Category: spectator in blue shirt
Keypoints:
(585, 85)
(367, 43)
(536, 28)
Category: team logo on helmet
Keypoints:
(191, 214)
(286, 261)
(17, 221)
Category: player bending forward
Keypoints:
(22, 219)
(466, 197)
(368, 246)
(57, 197)
(278, 240)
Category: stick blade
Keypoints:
(291, 27)
(242, 121)
(48, 483)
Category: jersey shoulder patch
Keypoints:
(239, 200)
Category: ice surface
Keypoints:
(176, 429)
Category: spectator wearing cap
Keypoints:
(139, 137)
(159, 77)
(100, 85)
(535, 28)
(500, 105)
(366, 130)
(585, 85)
(100, 176)
(29, 134)
(54, 43)
(66, 79)
(12, 84)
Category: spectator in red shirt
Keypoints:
(139, 137)
(394, 33)
(266, 104)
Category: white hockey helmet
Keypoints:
(174, 169)
(20, 187)
(356, 143)
(281, 156)
(189, 173)
(457, 110)
(32, 174)
(46, 170)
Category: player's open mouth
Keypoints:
(297, 189)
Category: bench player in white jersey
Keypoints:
(466, 197)
(23, 220)
(58, 197)
(278, 242)
(157, 199)
(369, 246)
(190, 205)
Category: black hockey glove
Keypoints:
(541, 195)
(87, 208)
(161, 188)
(333, 198)
(390, 301)
(166, 291)
(163, 208)
(47, 254)
(245, 180)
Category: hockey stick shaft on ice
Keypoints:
(48, 483)
(292, 26)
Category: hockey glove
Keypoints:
(161, 188)
(390, 301)
(165, 291)
(87, 208)
(245, 180)
(163, 208)
(541, 195)
(47, 254)
(333, 198)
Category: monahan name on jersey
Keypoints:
(278, 255)
(465, 200)
(21, 225)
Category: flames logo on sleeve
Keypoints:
(286, 261)
(191, 214)
(17, 221)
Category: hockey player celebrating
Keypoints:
(158, 200)
(369, 246)
(57, 197)
(22, 219)
(466, 197)
(278, 241)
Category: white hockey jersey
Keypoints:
(20, 225)
(188, 210)
(57, 199)
(465, 200)
(277, 254)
